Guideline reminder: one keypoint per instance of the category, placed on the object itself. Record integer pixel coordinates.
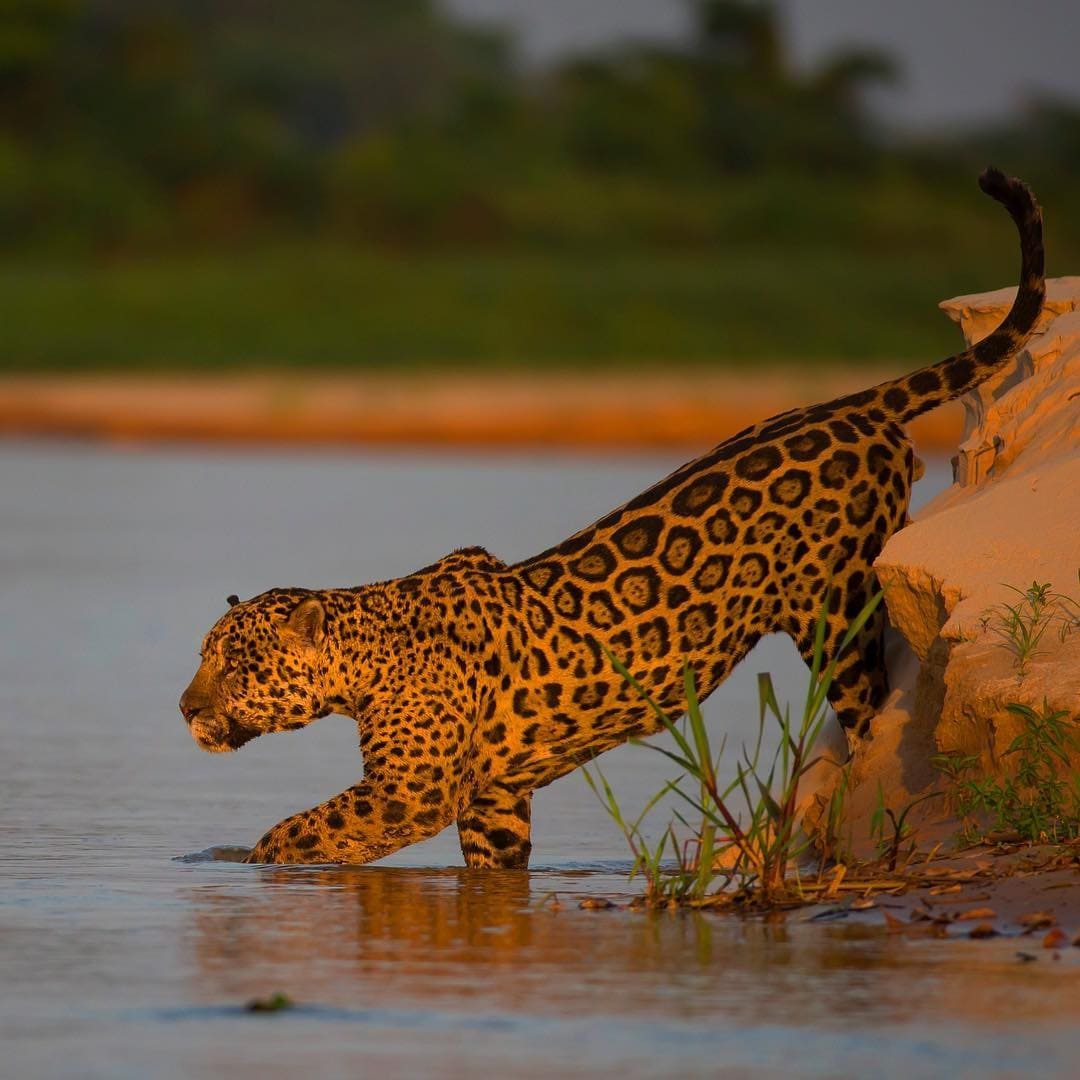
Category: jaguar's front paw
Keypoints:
(291, 841)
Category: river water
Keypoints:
(126, 953)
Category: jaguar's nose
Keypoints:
(188, 709)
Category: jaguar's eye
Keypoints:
(230, 665)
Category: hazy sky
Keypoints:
(963, 60)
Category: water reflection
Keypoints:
(501, 943)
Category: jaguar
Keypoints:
(473, 682)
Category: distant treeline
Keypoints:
(144, 125)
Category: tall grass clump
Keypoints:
(739, 839)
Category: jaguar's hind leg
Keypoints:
(859, 685)
(494, 829)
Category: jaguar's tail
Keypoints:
(905, 398)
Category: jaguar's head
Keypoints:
(259, 671)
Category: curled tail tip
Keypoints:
(1010, 191)
(993, 181)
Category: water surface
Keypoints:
(119, 960)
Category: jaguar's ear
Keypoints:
(308, 621)
(232, 600)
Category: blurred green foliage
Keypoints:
(335, 307)
(380, 140)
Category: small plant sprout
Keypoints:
(888, 846)
(1021, 626)
(744, 835)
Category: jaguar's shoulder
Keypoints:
(476, 559)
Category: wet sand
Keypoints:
(1029, 893)
(646, 410)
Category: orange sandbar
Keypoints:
(567, 411)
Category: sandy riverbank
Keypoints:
(596, 411)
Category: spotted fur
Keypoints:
(473, 682)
